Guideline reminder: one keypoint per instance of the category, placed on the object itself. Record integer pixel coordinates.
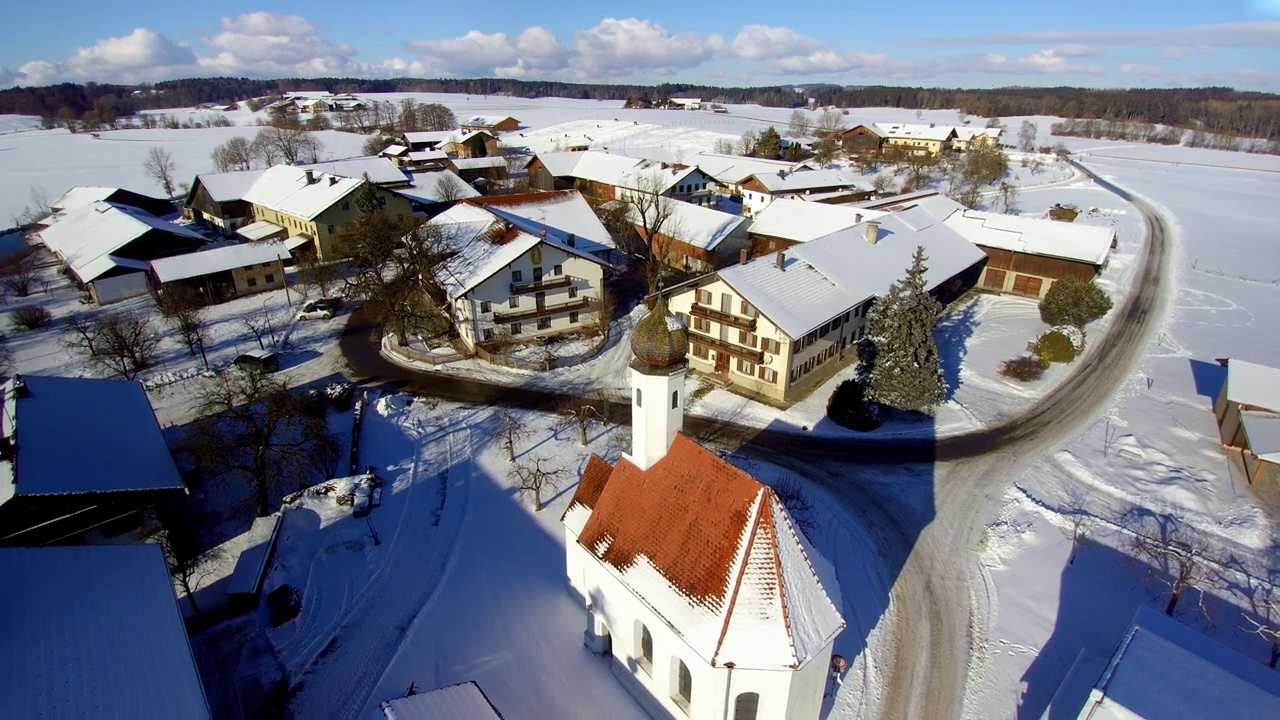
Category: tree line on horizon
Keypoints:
(1208, 109)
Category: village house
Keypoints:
(432, 191)
(485, 172)
(492, 124)
(415, 160)
(106, 247)
(861, 139)
(967, 138)
(106, 488)
(223, 273)
(454, 143)
(94, 632)
(682, 103)
(693, 238)
(780, 325)
(507, 284)
(558, 215)
(730, 171)
(696, 581)
(602, 177)
(911, 138)
(789, 221)
(763, 188)
(82, 195)
(1164, 669)
(1248, 413)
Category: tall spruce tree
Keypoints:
(907, 374)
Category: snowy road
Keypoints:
(923, 647)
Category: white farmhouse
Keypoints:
(508, 281)
(710, 601)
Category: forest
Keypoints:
(1208, 109)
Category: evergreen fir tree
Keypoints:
(907, 374)
(769, 144)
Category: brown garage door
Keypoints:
(994, 279)
(1027, 285)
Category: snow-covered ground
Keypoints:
(1155, 452)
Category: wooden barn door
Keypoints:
(1027, 285)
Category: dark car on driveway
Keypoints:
(260, 360)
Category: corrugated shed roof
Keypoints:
(94, 631)
(711, 550)
(825, 277)
(79, 196)
(285, 189)
(428, 136)
(86, 238)
(1034, 236)
(108, 425)
(197, 264)
(258, 230)
(1257, 386)
(464, 701)
(801, 221)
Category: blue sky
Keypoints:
(991, 43)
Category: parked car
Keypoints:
(261, 360)
(314, 311)
(328, 303)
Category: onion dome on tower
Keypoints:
(660, 339)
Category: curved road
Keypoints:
(927, 646)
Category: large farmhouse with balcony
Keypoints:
(696, 582)
(508, 283)
(779, 325)
(602, 177)
(916, 138)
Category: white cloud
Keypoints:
(142, 55)
(1077, 50)
(621, 47)
(534, 51)
(756, 42)
(829, 62)
(267, 44)
(1259, 33)
(1041, 62)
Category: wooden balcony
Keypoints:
(742, 323)
(738, 351)
(542, 311)
(534, 286)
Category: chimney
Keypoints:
(781, 261)
(311, 176)
(743, 254)
(332, 181)
(857, 218)
(571, 240)
(873, 232)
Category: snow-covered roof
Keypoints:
(695, 225)
(559, 164)
(559, 213)
(479, 163)
(227, 186)
(485, 121)
(285, 189)
(1164, 669)
(1263, 432)
(82, 435)
(251, 566)
(94, 631)
(969, 133)
(735, 169)
(421, 156)
(801, 221)
(426, 187)
(914, 131)
(1257, 386)
(614, 169)
(79, 196)
(394, 150)
(428, 136)
(464, 701)
(712, 551)
(796, 182)
(198, 264)
(255, 231)
(901, 202)
(825, 277)
(381, 170)
(88, 238)
(1034, 236)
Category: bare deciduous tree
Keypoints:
(798, 124)
(36, 208)
(535, 476)
(652, 215)
(159, 165)
(286, 144)
(1077, 522)
(232, 155)
(190, 563)
(322, 277)
(450, 188)
(796, 501)
(511, 431)
(18, 271)
(725, 146)
(829, 123)
(884, 184)
(747, 142)
(582, 416)
(252, 429)
(1008, 193)
(1267, 625)
(185, 309)
(1027, 136)
(1176, 558)
(826, 149)
(257, 326)
(121, 343)
(604, 312)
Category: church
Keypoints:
(696, 582)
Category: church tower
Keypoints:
(658, 370)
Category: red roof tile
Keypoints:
(594, 477)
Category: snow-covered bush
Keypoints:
(1054, 346)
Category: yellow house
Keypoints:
(312, 205)
(916, 139)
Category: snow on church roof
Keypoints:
(712, 551)
(94, 631)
